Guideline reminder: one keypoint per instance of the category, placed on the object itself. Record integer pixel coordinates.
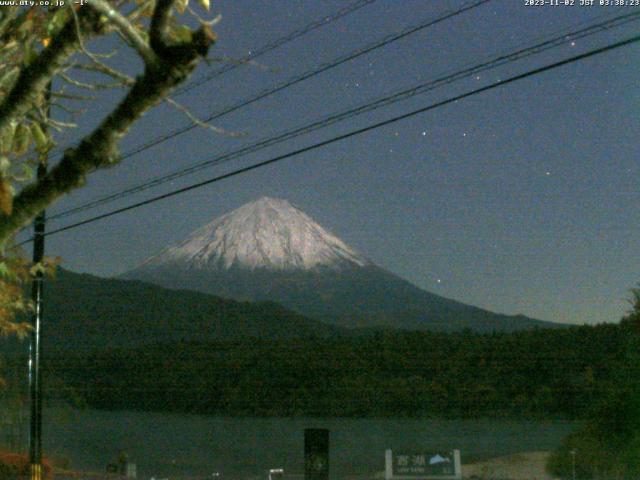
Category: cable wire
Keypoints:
(367, 107)
(343, 12)
(308, 74)
(352, 133)
(276, 44)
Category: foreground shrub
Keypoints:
(15, 466)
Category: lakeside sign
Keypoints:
(422, 465)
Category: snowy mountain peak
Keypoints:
(268, 233)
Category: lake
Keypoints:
(167, 445)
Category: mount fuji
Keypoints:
(268, 234)
(271, 250)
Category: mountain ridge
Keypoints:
(86, 312)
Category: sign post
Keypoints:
(423, 465)
(316, 454)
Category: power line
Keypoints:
(367, 107)
(308, 74)
(276, 44)
(353, 133)
(270, 47)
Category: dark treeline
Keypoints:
(540, 373)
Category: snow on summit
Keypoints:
(268, 233)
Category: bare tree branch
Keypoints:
(139, 11)
(34, 78)
(159, 26)
(105, 69)
(126, 29)
(95, 86)
(199, 122)
(214, 21)
(99, 148)
(7, 17)
(12, 20)
(70, 111)
(69, 96)
(94, 57)
(59, 125)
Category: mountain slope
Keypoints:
(368, 297)
(83, 311)
(270, 250)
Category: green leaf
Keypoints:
(7, 80)
(5, 164)
(6, 197)
(182, 34)
(21, 139)
(57, 21)
(204, 4)
(25, 29)
(6, 138)
(29, 54)
(8, 45)
(38, 268)
(25, 173)
(4, 270)
(181, 5)
(41, 139)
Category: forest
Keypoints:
(559, 373)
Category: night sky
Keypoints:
(523, 199)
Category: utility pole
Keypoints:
(35, 348)
(35, 382)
